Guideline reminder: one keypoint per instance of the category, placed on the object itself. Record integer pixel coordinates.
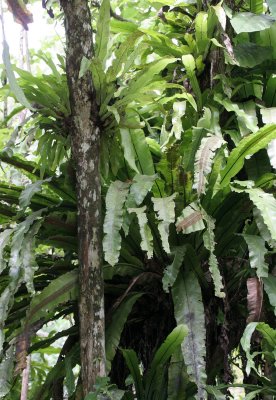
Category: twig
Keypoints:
(25, 379)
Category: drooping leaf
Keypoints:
(245, 343)
(254, 299)
(145, 232)
(188, 309)
(4, 240)
(248, 55)
(247, 147)
(257, 251)
(272, 7)
(164, 207)
(140, 187)
(177, 377)
(263, 229)
(249, 22)
(204, 159)
(191, 220)
(102, 35)
(172, 270)
(142, 150)
(163, 354)
(29, 191)
(270, 289)
(116, 325)
(209, 243)
(115, 199)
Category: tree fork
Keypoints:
(85, 141)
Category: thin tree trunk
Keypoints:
(85, 140)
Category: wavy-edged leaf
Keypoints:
(204, 159)
(115, 200)
(145, 232)
(263, 229)
(163, 354)
(139, 188)
(4, 240)
(266, 204)
(133, 365)
(164, 207)
(179, 109)
(248, 55)
(188, 310)
(6, 371)
(271, 151)
(254, 299)
(60, 290)
(270, 289)
(246, 147)
(191, 220)
(29, 191)
(249, 22)
(102, 35)
(116, 325)
(172, 270)
(209, 243)
(16, 89)
(272, 7)
(190, 66)
(245, 343)
(257, 251)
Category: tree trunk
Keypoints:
(85, 140)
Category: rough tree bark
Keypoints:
(85, 140)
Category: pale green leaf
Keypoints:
(115, 200)
(172, 270)
(263, 229)
(16, 89)
(209, 243)
(164, 207)
(4, 240)
(102, 35)
(145, 232)
(247, 147)
(190, 66)
(245, 343)
(249, 22)
(116, 325)
(6, 372)
(248, 55)
(129, 150)
(142, 150)
(84, 67)
(29, 191)
(203, 161)
(272, 7)
(271, 151)
(139, 188)
(201, 32)
(177, 377)
(257, 251)
(179, 108)
(190, 220)
(188, 310)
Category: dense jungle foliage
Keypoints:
(186, 102)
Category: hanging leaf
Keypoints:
(270, 289)
(254, 299)
(115, 200)
(272, 7)
(102, 32)
(263, 229)
(188, 310)
(209, 243)
(4, 240)
(142, 151)
(190, 220)
(204, 159)
(6, 371)
(247, 147)
(29, 191)
(257, 251)
(164, 207)
(140, 187)
(177, 377)
(249, 22)
(172, 270)
(145, 232)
